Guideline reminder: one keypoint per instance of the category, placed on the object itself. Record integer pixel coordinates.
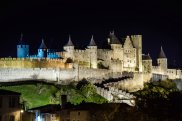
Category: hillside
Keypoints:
(34, 94)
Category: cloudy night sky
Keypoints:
(160, 23)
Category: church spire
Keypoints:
(70, 43)
(43, 46)
(162, 54)
(92, 42)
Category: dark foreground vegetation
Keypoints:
(158, 101)
(35, 94)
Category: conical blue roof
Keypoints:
(92, 42)
(43, 46)
(162, 54)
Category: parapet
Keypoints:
(33, 63)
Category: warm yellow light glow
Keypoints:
(22, 111)
(133, 101)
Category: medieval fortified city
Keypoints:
(117, 73)
(90, 60)
(93, 63)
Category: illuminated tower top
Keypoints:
(42, 45)
(162, 54)
(22, 48)
(92, 42)
(70, 43)
(113, 39)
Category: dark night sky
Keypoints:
(159, 22)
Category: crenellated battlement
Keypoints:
(33, 63)
(80, 51)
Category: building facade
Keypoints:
(10, 108)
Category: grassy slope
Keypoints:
(34, 94)
(38, 94)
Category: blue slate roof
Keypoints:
(43, 46)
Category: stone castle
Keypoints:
(92, 63)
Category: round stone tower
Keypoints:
(22, 49)
(92, 53)
(42, 51)
(69, 48)
(137, 43)
(162, 62)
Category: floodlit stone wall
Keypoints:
(17, 74)
(174, 73)
(133, 83)
(33, 63)
(51, 74)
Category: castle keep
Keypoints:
(91, 62)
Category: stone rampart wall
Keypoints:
(83, 72)
(174, 73)
(33, 63)
(131, 84)
(27, 74)
(157, 77)
(63, 76)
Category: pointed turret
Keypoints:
(69, 49)
(42, 45)
(113, 38)
(162, 54)
(92, 42)
(92, 50)
(42, 51)
(70, 43)
(162, 62)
